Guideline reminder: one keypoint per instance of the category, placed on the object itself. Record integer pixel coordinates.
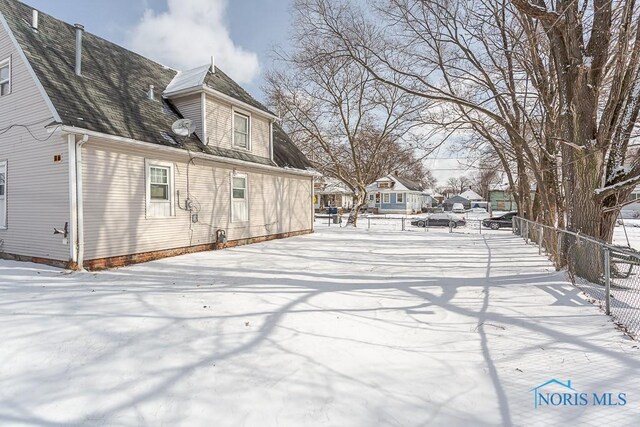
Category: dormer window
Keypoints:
(384, 184)
(5, 77)
(241, 131)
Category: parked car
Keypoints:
(440, 220)
(497, 222)
(457, 208)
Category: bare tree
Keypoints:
(345, 120)
(485, 179)
(551, 86)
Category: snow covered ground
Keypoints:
(339, 328)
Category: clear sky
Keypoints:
(185, 33)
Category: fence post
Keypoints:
(540, 234)
(559, 249)
(329, 220)
(607, 281)
(368, 223)
(526, 232)
(403, 223)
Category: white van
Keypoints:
(458, 208)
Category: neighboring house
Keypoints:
(391, 194)
(330, 192)
(501, 198)
(86, 148)
(448, 204)
(631, 210)
(471, 196)
(435, 198)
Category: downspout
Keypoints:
(313, 205)
(73, 201)
(80, 201)
(271, 139)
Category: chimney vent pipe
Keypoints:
(79, 30)
(34, 19)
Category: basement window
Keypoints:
(5, 77)
(239, 199)
(160, 184)
(3, 194)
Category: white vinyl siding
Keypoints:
(400, 198)
(239, 198)
(114, 202)
(37, 187)
(5, 77)
(241, 131)
(3, 194)
(159, 190)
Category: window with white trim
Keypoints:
(5, 77)
(239, 199)
(160, 183)
(385, 198)
(3, 194)
(400, 198)
(371, 197)
(241, 130)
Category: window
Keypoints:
(5, 77)
(385, 198)
(160, 190)
(3, 194)
(400, 198)
(239, 205)
(371, 197)
(241, 131)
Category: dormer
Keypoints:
(225, 115)
(385, 182)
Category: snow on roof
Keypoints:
(334, 186)
(471, 195)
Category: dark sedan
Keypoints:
(497, 222)
(440, 220)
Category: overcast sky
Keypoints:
(183, 34)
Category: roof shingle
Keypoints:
(110, 95)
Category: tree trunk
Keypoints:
(359, 201)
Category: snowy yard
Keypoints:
(339, 328)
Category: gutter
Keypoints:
(147, 145)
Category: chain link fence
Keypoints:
(608, 274)
(403, 223)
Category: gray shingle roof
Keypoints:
(110, 97)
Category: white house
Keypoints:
(331, 192)
(87, 150)
(471, 196)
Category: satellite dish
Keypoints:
(183, 127)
